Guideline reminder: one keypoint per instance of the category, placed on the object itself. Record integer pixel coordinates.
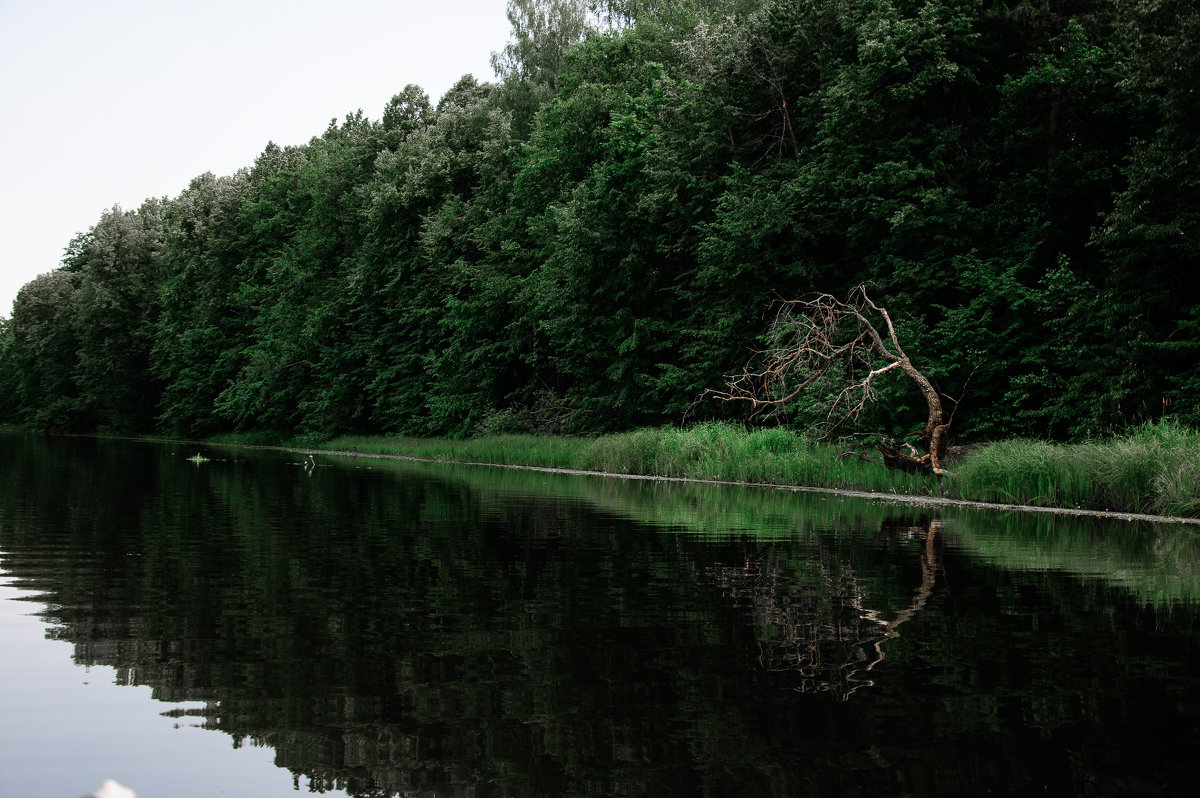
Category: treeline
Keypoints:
(592, 240)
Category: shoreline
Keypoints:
(917, 500)
(899, 498)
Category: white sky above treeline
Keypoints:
(107, 102)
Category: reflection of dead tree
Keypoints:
(929, 568)
(809, 338)
(824, 631)
(809, 628)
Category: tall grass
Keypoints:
(1154, 468)
(706, 451)
(727, 452)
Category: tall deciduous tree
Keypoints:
(531, 64)
(542, 30)
(1152, 234)
(10, 381)
(42, 353)
(200, 332)
(302, 232)
(116, 306)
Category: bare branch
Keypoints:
(807, 339)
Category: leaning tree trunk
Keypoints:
(934, 437)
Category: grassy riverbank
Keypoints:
(706, 451)
(1154, 469)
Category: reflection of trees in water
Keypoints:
(443, 663)
(823, 627)
(511, 647)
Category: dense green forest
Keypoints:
(592, 240)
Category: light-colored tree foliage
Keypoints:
(542, 30)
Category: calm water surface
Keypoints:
(249, 626)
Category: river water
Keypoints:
(256, 625)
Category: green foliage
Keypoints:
(115, 310)
(542, 31)
(200, 332)
(40, 353)
(10, 381)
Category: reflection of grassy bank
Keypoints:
(1158, 563)
(688, 507)
(1154, 469)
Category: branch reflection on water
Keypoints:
(825, 630)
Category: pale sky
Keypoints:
(113, 101)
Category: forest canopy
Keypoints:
(594, 240)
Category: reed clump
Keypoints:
(1154, 468)
(730, 453)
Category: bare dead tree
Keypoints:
(810, 338)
